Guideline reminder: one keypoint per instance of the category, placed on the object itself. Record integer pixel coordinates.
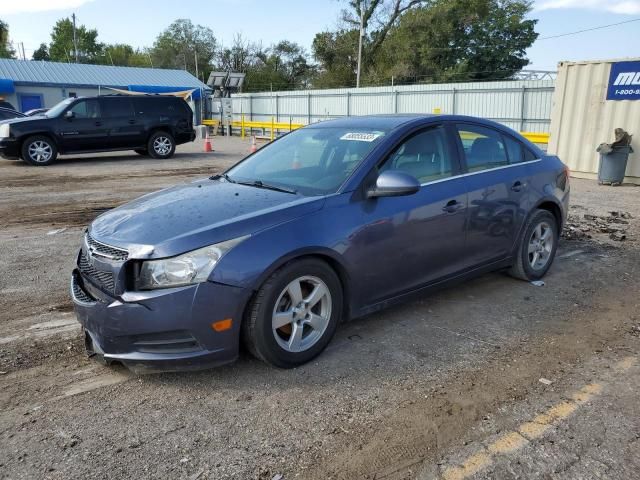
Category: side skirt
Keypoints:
(430, 288)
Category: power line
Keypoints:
(589, 29)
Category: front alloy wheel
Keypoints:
(39, 150)
(301, 314)
(295, 313)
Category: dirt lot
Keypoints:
(447, 386)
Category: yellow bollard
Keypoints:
(242, 126)
(272, 127)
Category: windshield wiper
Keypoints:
(261, 184)
(223, 175)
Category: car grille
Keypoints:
(102, 278)
(78, 292)
(102, 250)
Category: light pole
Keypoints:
(75, 40)
(360, 43)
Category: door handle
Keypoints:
(98, 124)
(452, 206)
(131, 122)
(518, 186)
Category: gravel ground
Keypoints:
(411, 392)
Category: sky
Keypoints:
(138, 22)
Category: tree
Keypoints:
(6, 47)
(284, 65)
(123, 55)
(61, 46)
(337, 52)
(337, 56)
(458, 40)
(379, 15)
(180, 43)
(42, 53)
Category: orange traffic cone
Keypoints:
(207, 144)
(253, 147)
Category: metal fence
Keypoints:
(523, 105)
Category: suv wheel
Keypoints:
(537, 247)
(39, 151)
(161, 145)
(295, 314)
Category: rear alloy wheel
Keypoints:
(39, 151)
(537, 247)
(161, 145)
(294, 314)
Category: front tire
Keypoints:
(537, 247)
(39, 150)
(161, 145)
(295, 313)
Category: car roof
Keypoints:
(382, 122)
(392, 121)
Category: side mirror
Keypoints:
(69, 114)
(394, 183)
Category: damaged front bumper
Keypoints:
(160, 330)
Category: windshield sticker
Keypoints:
(360, 137)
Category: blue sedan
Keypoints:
(330, 222)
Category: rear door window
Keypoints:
(117, 107)
(515, 150)
(483, 147)
(157, 106)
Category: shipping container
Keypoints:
(589, 103)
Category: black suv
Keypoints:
(150, 124)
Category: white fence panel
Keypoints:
(523, 105)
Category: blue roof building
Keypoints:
(28, 84)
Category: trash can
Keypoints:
(613, 165)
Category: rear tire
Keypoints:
(39, 150)
(537, 247)
(295, 313)
(161, 145)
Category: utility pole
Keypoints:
(24, 57)
(195, 54)
(75, 40)
(360, 43)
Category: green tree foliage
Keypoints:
(6, 47)
(337, 57)
(123, 55)
(177, 46)
(61, 46)
(426, 40)
(337, 52)
(457, 40)
(41, 53)
(282, 66)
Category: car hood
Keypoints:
(186, 217)
(20, 120)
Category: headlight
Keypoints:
(5, 130)
(186, 269)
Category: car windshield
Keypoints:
(310, 161)
(57, 109)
